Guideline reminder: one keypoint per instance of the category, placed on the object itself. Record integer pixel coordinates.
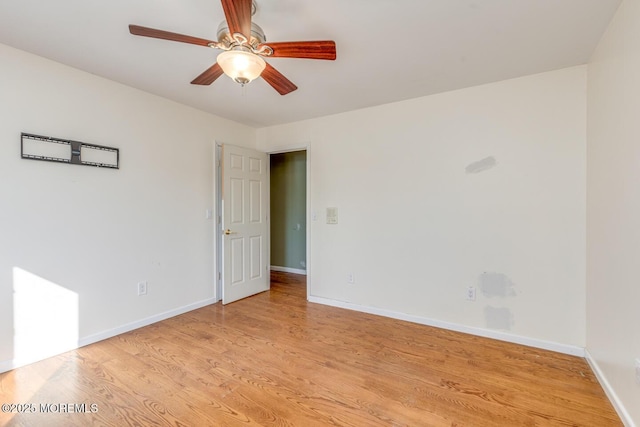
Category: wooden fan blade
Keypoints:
(277, 81)
(238, 15)
(166, 35)
(209, 75)
(321, 49)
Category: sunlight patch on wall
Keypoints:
(45, 318)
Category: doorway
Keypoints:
(288, 211)
(296, 263)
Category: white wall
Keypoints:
(613, 207)
(88, 235)
(416, 229)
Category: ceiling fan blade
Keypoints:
(279, 82)
(166, 35)
(238, 15)
(209, 75)
(321, 49)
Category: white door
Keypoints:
(244, 223)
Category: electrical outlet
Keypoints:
(471, 293)
(351, 278)
(638, 371)
(142, 288)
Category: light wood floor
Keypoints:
(276, 360)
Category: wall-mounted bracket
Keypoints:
(38, 147)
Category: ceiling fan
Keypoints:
(244, 46)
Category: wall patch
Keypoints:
(496, 285)
(498, 318)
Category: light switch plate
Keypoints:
(332, 215)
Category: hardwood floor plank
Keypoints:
(276, 360)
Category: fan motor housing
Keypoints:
(224, 35)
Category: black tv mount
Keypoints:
(38, 147)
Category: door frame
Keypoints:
(217, 215)
(217, 229)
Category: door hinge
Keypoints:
(219, 275)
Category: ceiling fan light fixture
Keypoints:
(241, 66)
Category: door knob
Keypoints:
(227, 232)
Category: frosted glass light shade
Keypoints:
(241, 66)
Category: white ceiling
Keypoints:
(387, 50)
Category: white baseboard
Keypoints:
(288, 270)
(609, 391)
(8, 365)
(498, 335)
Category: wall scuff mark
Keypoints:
(481, 165)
